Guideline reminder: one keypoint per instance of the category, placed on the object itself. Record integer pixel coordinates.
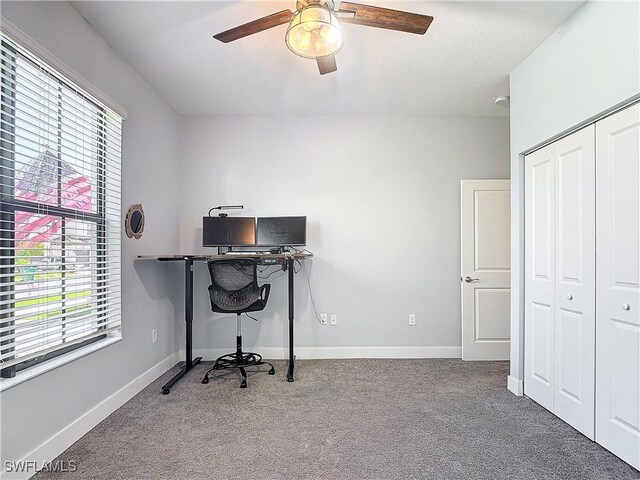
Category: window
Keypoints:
(59, 213)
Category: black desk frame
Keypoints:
(191, 362)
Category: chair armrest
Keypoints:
(264, 292)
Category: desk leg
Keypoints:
(188, 318)
(291, 356)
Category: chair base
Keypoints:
(238, 360)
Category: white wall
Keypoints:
(589, 65)
(39, 408)
(382, 197)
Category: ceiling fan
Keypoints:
(315, 29)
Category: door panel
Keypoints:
(570, 204)
(492, 314)
(485, 229)
(539, 276)
(570, 369)
(624, 339)
(492, 221)
(541, 336)
(618, 289)
(574, 393)
(541, 215)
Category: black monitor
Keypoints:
(228, 231)
(282, 231)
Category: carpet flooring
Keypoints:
(343, 420)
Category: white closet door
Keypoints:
(539, 273)
(574, 304)
(618, 292)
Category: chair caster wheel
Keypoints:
(165, 391)
(289, 379)
(243, 384)
(272, 371)
(205, 380)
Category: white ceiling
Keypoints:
(457, 68)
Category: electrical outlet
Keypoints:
(323, 319)
(154, 335)
(412, 319)
(334, 319)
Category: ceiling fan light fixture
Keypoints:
(314, 31)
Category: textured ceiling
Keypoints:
(457, 68)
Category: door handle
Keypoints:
(468, 279)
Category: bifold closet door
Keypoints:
(539, 275)
(575, 282)
(618, 285)
(560, 278)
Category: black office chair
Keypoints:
(235, 289)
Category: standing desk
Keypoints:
(287, 260)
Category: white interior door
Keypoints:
(574, 289)
(540, 228)
(618, 285)
(486, 269)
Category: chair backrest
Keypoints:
(234, 284)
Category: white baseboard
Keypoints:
(317, 353)
(515, 386)
(66, 437)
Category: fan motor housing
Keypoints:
(327, 3)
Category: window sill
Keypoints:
(34, 371)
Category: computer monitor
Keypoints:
(282, 231)
(228, 231)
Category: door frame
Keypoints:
(515, 380)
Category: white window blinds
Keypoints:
(60, 213)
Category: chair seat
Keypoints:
(256, 306)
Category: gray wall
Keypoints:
(382, 197)
(590, 64)
(34, 411)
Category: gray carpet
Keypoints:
(341, 419)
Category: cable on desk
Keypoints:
(313, 302)
(303, 251)
(281, 274)
(303, 267)
(268, 276)
(241, 269)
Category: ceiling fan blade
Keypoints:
(256, 26)
(327, 64)
(385, 18)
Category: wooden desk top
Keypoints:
(226, 256)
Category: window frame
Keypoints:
(9, 204)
